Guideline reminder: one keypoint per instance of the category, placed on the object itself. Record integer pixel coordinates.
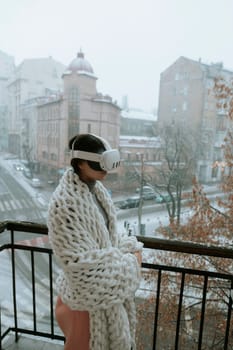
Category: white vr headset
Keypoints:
(108, 160)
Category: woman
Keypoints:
(100, 269)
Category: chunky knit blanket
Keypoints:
(99, 273)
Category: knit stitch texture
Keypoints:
(99, 273)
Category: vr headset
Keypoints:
(107, 161)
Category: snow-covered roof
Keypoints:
(68, 72)
(139, 141)
(138, 114)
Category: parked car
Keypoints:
(36, 182)
(144, 189)
(18, 167)
(148, 195)
(131, 202)
(163, 198)
(27, 173)
(147, 192)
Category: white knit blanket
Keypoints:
(99, 273)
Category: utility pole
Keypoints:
(140, 228)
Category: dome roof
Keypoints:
(80, 64)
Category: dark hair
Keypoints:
(88, 143)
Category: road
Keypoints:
(20, 202)
(15, 202)
(155, 215)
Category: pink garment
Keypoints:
(74, 325)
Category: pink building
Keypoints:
(80, 109)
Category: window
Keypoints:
(44, 155)
(221, 123)
(214, 172)
(184, 106)
(53, 156)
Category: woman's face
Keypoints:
(87, 174)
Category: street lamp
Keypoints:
(140, 175)
(140, 226)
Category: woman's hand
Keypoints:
(138, 255)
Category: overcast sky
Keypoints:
(128, 42)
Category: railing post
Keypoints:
(157, 310)
(14, 285)
(0, 327)
(179, 311)
(228, 318)
(33, 291)
(51, 294)
(202, 312)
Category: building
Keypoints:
(186, 98)
(80, 109)
(138, 136)
(136, 122)
(32, 78)
(140, 145)
(7, 67)
(3, 128)
(29, 127)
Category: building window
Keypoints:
(181, 76)
(53, 156)
(54, 73)
(184, 106)
(184, 91)
(206, 105)
(221, 124)
(44, 155)
(214, 172)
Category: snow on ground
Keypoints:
(153, 215)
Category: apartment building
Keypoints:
(186, 98)
(32, 78)
(7, 67)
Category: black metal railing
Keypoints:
(16, 244)
(169, 293)
(209, 307)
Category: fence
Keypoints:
(178, 307)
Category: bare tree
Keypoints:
(177, 167)
(27, 154)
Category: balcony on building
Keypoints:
(178, 306)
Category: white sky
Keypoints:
(128, 42)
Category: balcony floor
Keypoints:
(29, 343)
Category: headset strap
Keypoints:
(95, 157)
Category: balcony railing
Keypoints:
(178, 307)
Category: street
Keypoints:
(15, 202)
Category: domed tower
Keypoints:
(79, 88)
(80, 73)
(85, 109)
(80, 64)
